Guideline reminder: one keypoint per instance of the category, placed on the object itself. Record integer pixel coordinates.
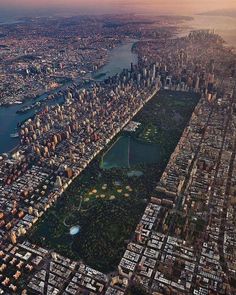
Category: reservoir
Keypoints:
(119, 58)
(128, 152)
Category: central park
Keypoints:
(96, 217)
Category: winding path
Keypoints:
(78, 209)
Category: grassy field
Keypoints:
(163, 119)
(107, 203)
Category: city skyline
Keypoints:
(117, 147)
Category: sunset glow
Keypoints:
(148, 6)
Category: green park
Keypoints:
(107, 200)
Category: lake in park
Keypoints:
(127, 152)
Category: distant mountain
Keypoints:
(230, 13)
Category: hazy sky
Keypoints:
(145, 6)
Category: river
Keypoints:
(119, 58)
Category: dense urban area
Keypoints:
(71, 222)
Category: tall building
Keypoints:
(197, 84)
(58, 182)
(13, 237)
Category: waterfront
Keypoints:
(55, 194)
(9, 120)
(119, 58)
(225, 26)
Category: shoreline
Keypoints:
(6, 108)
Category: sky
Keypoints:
(182, 7)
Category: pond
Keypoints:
(74, 230)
